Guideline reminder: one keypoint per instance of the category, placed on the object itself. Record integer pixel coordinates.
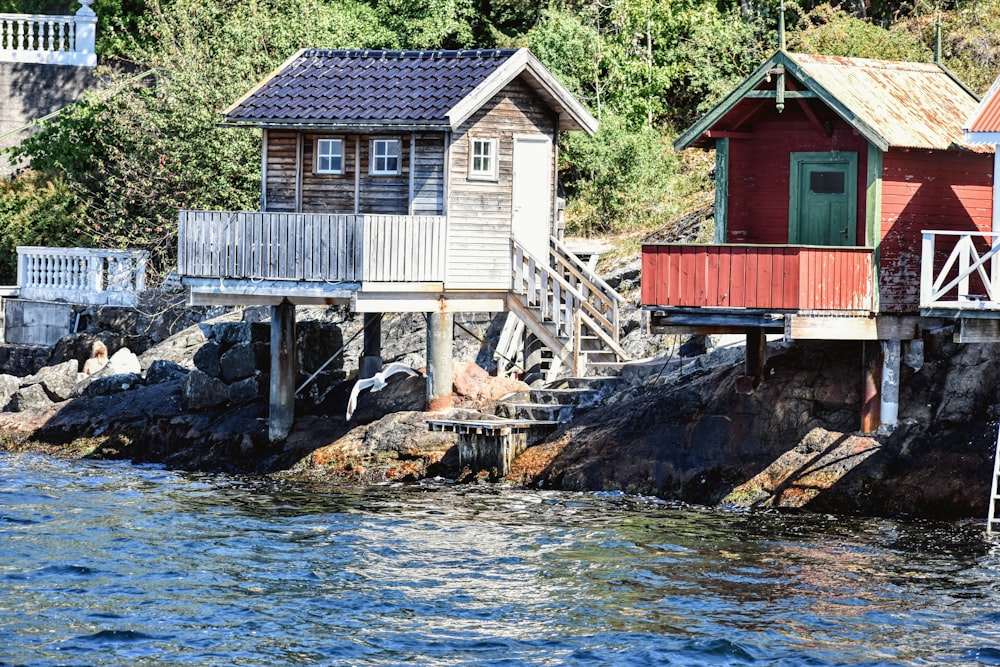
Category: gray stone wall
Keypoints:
(29, 92)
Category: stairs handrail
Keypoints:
(519, 254)
(593, 287)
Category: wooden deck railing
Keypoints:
(50, 39)
(311, 246)
(758, 277)
(81, 275)
(960, 270)
(593, 289)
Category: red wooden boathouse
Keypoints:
(828, 170)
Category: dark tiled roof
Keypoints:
(328, 86)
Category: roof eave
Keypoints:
(573, 115)
(340, 125)
(785, 59)
(981, 138)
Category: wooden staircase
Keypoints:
(568, 308)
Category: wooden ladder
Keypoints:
(992, 519)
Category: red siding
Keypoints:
(759, 171)
(760, 277)
(932, 190)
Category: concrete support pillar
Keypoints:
(439, 360)
(371, 357)
(891, 356)
(871, 368)
(281, 414)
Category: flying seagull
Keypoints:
(375, 382)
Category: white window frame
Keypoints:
(318, 155)
(490, 172)
(373, 157)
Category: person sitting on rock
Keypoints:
(98, 358)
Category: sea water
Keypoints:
(106, 563)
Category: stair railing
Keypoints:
(560, 302)
(594, 289)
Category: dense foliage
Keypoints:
(114, 168)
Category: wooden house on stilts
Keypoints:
(830, 172)
(403, 181)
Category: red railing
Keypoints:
(760, 277)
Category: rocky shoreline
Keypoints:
(679, 430)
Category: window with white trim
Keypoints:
(329, 156)
(385, 158)
(483, 158)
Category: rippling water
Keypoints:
(105, 563)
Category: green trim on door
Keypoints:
(721, 188)
(823, 199)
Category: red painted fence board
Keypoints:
(758, 277)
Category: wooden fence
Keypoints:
(311, 246)
(759, 277)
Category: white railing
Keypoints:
(81, 275)
(315, 247)
(594, 289)
(50, 40)
(960, 270)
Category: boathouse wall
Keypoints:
(759, 171)
(940, 190)
(479, 212)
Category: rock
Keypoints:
(207, 360)
(32, 397)
(112, 384)
(122, 362)
(244, 391)
(201, 391)
(162, 370)
(401, 393)
(468, 379)
(237, 363)
(8, 387)
(694, 346)
(59, 382)
(227, 334)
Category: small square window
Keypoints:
(329, 156)
(385, 157)
(483, 159)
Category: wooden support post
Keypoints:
(871, 367)
(371, 357)
(889, 408)
(282, 398)
(439, 360)
(756, 357)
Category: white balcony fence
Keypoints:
(50, 40)
(960, 270)
(81, 275)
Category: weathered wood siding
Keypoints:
(933, 190)
(758, 277)
(327, 193)
(759, 170)
(355, 190)
(280, 178)
(479, 212)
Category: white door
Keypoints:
(531, 210)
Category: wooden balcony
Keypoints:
(836, 280)
(311, 248)
(960, 273)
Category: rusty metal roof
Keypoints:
(983, 126)
(355, 89)
(890, 103)
(911, 105)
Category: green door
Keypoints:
(824, 195)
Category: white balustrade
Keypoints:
(50, 40)
(960, 270)
(81, 275)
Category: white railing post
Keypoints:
(85, 35)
